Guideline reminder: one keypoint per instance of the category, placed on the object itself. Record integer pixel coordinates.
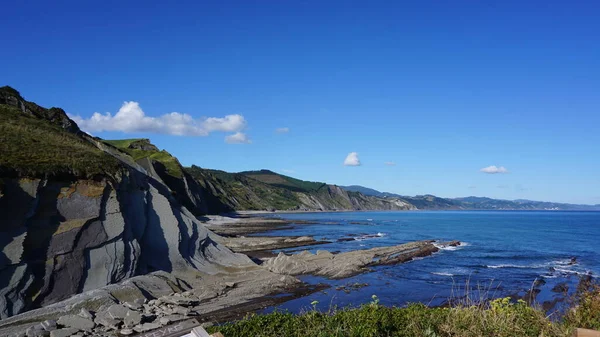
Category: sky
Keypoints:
(452, 98)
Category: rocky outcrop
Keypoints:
(151, 301)
(61, 238)
(57, 116)
(333, 198)
(342, 265)
(245, 244)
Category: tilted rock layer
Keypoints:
(64, 237)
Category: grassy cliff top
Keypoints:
(142, 148)
(34, 147)
(279, 180)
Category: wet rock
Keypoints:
(63, 332)
(77, 322)
(561, 288)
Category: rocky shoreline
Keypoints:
(147, 302)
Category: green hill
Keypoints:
(39, 142)
(279, 180)
(142, 148)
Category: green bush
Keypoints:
(500, 318)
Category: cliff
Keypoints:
(77, 215)
(267, 190)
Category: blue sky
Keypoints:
(440, 88)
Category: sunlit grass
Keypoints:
(500, 318)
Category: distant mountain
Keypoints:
(473, 202)
(520, 204)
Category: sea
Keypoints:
(503, 254)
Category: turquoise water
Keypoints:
(503, 254)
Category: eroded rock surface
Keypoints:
(61, 238)
(258, 243)
(147, 302)
(343, 265)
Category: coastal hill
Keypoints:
(431, 202)
(267, 190)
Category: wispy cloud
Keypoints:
(237, 138)
(282, 130)
(390, 163)
(352, 159)
(494, 169)
(132, 119)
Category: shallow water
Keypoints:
(503, 254)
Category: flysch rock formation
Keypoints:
(65, 235)
(63, 238)
(148, 302)
(347, 264)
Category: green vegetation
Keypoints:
(278, 180)
(243, 192)
(141, 148)
(500, 318)
(122, 143)
(34, 147)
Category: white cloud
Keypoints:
(237, 138)
(131, 119)
(494, 169)
(390, 163)
(352, 159)
(229, 123)
(282, 130)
